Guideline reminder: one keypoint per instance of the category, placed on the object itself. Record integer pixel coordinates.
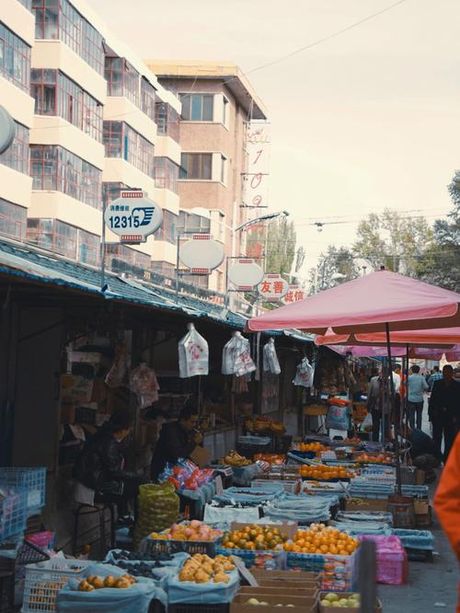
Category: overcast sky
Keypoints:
(367, 120)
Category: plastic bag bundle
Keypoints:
(304, 374)
(270, 359)
(236, 356)
(158, 509)
(338, 417)
(144, 384)
(193, 354)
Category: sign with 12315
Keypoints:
(133, 216)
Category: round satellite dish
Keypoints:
(7, 130)
(201, 254)
(245, 274)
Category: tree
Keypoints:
(278, 241)
(396, 242)
(335, 266)
(441, 264)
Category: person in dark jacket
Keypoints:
(100, 465)
(444, 410)
(177, 440)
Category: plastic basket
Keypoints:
(31, 479)
(13, 514)
(416, 539)
(44, 580)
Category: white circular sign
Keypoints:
(133, 216)
(7, 129)
(273, 287)
(245, 274)
(201, 253)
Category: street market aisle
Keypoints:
(428, 585)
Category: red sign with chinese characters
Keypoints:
(273, 287)
(294, 294)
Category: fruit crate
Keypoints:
(13, 514)
(199, 608)
(337, 572)
(44, 580)
(150, 545)
(31, 479)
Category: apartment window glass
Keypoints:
(196, 166)
(121, 141)
(14, 58)
(123, 259)
(27, 4)
(148, 98)
(13, 220)
(197, 107)
(122, 79)
(55, 168)
(164, 268)
(167, 120)
(88, 248)
(59, 20)
(53, 235)
(166, 173)
(56, 94)
(17, 155)
(111, 191)
(189, 222)
(167, 232)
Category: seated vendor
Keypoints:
(100, 465)
(423, 452)
(177, 440)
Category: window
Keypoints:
(123, 259)
(121, 141)
(164, 268)
(166, 173)
(223, 169)
(196, 166)
(14, 58)
(198, 281)
(55, 168)
(88, 248)
(225, 107)
(56, 94)
(27, 4)
(167, 120)
(111, 191)
(13, 220)
(189, 222)
(59, 20)
(197, 107)
(148, 99)
(167, 232)
(17, 155)
(122, 79)
(53, 235)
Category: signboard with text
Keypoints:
(294, 294)
(256, 175)
(273, 287)
(133, 216)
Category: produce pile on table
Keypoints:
(193, 531)
(203, 569)
(97, 583)
(321, 472)
(254, 538)
(314, 447)
(335, 601)
(321, 539)
(264, 425)
(236, 460)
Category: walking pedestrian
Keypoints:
(447, 500)
(444, 409)
(416, 386)
(436, 375)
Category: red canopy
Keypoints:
(366, 305)
(440, 337)
(398, 351)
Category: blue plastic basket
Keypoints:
(13, 514)
(416, 539)
(31, 479)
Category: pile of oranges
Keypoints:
(321, 539)
(313, 447)
(380, 458)
(254, 538)
(321, 472)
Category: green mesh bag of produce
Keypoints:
(158, 509)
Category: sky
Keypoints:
(367, 120)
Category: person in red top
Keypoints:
(447, 500)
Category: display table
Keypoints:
(242, 476)
(197, 499)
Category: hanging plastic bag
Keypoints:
(144, 384)
(305, 374)
(118, 371)
(338, 418)
(270, 359)
(193, 354)
(236, 356)
(367, 423)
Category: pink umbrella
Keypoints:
(371, 351)
(369, 304)
(440, 337)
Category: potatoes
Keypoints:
(200, 568)
(97, 583)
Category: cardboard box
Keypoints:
(286, 529)
(307, 591)
(201, 456)
(322, 609)
(286, 578)
(301, 604)
(367, 504)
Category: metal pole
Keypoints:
(367, 575)
(407, 382)
(392, 405)
(104, 207)
(226, 297)
(177, 266)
